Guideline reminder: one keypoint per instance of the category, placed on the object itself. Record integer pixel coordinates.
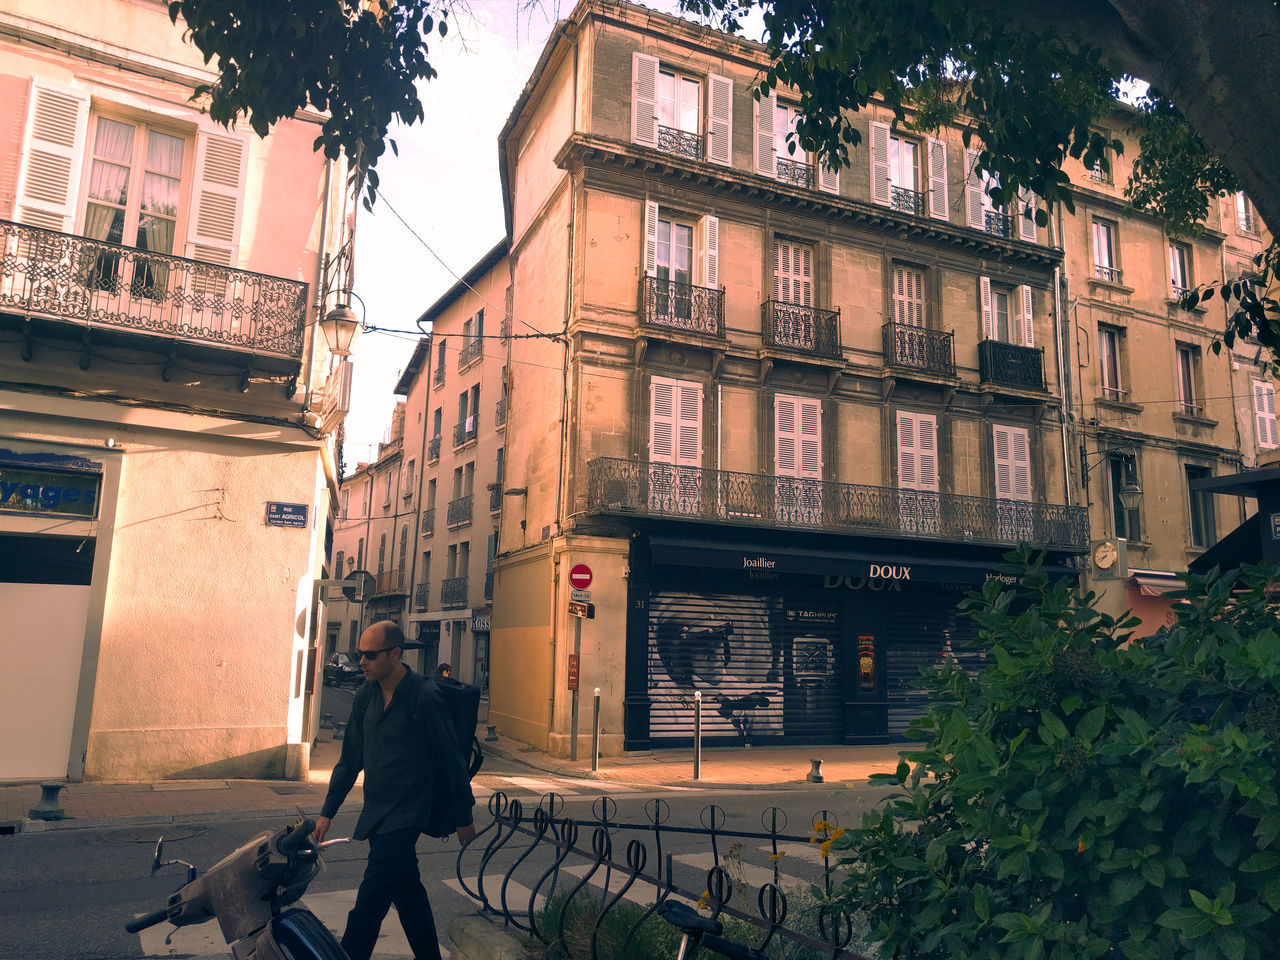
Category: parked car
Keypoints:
(342, 668)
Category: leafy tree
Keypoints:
(1089, 794)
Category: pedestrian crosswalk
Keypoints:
(485, 786)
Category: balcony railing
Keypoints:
(680, 142)
(998, 224)
(916, 348)
(58, 275)
(802, 329)
(1109, 274)
(1010, 364)
(682, 306)
(500, 413)
(488, 584)
(1246, 222)
(429, 521)
(470, 353)
(464, 432)
(437, 378)
(1097, 173)
(795, 173)
(422, 595)
(433, 449)
(907, 201)
(632, 488)
(388, 582)
(460, 510)
(453, 593)
(495, 498)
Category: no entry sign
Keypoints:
(580, 576)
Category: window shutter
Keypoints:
(644, 99)
(938, 201)
(1026, 216)
(1012, 463)
(719, 119)
(688, 423)
(662, 420)
(786, 462)
(53, 155)
(766, 109)
(810, 439)
(706, 264)
(973, 195)
(1264, 407)
(908, 296)
(650, 238)
(828, 178)
(214, 234)
(917, 451)
(880, 163)
(1028, 320)
(988, 315)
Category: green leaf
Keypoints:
(1260, 861)
(1055, 726)
(1188, 920)
(1153, 872)
(1090, 724)
(1126, 886)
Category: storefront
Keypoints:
(792, 644)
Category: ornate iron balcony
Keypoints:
(1097, 173)
(495, 498)
(1010, 364)
(429, 521)
(1109, 274)
(433, 449)
(917, 348)
(464, 432)
(470, 353)
(907, 201)
(460, 510)
(632, 488)
(65, 277)
(796, 173)
(500, 413)
(388, 582)
(998, 224)
(682, 306)
(680, 142)
(422, 595)
(453, 593)
(1245, 222)
(802, 329)
(437, 378)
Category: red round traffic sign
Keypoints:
(580, 576)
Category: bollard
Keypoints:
(697, 734)
(491, 732)
(595, 733)
(326, 720)
(339, 726)
(815, 772)
(50, 805)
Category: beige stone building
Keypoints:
(167, 475)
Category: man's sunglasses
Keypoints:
(373, 654)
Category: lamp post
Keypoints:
(340, 326)
(1130, 491)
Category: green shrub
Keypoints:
(1089, 794)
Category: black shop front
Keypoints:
(784, 642)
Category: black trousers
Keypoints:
(391, 877)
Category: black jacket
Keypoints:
(404, 750)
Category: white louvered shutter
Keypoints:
(973, 191)
(706, 262)
(650, 238)
(644, 99)
(880, 163)
(1012, 463)
(908, 296)
(917, 451)
(1026, 224)
(938, 201)
(988, 313)
(786, 437)
(766, 110)
(52, 157)
(810, 453)
(214, 234)
(662, 420)
(828, 178)
(793, 273)
(719, 119)
(1027, 317)
(1264, 408)
(688, 397)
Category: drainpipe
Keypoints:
(568, 313)
(422, 479)
(1060, 333)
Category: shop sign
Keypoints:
(1275, 526)
(573, 671)
(480, 618)
(49, 493)
(286, 514)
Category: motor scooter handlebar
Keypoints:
(145, 920)
(296, 838)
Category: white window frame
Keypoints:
(1264, 414)
(797, 459)
(918, 467)
(1179, 269)
(1104, 236)
(907, 294)
(1187, 371)
(675, 445)
(1011, 461)
(1111, 362)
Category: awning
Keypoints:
(1242, 545)
(1155, 583)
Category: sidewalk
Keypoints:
(100, 803)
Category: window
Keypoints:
(1104, 251)
(1110, 347)
(1244, 214)
(1123, 469)
(678, 99)
(404, 556)
(1007, 313)
(793, 273)
(666, 111)
(382, 553)
(452, 567)
(908, 296)
(360, 554)
(1012, 473)
(896, 175)
(338, 562)
(773, 156)
(386, 490)
(408, 479)
(346, 504)
(1202, 528)
(1264, 414)
(675, 445)
(1179, 269)
(464, 558)
(431, 494)
(797, 458)
(785, 119)
(681, 263)
(982, 213)
(438, 379)
(904, 163)
(457, 482)
(1188, 376)
(918, 503)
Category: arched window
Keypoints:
(337, 564)
(360, 554)
(404, 552)
(382, 553)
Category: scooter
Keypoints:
(248, 891)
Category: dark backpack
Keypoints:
(462, 701)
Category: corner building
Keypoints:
(795, 415)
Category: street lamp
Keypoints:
(340, 327)
(1130, 492)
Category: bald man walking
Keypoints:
(401, 735)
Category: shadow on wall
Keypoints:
(268, 764)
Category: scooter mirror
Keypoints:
(158, 860)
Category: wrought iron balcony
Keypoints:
(1097, 173)
(909, 347)
(59, 276)
(488, 584)
(389, 582)
(422, 595)
(433, 449)
(998, 224)
(500, 413)
(429, 521)
(682, 306)
(680, 142)
(437, 378)
(802, 329)
(1246, 222)
(495, 498)
(907, 201)
(460, 510)
(472, 352)
(1010, 364)
(795, 173)
(632, 488)
(453, 593)
(464, 432)
(1109, 274)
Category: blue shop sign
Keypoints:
(35, 491)
(286, 514)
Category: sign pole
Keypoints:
(573, 723)
(595, 733)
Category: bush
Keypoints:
(1089, 794)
